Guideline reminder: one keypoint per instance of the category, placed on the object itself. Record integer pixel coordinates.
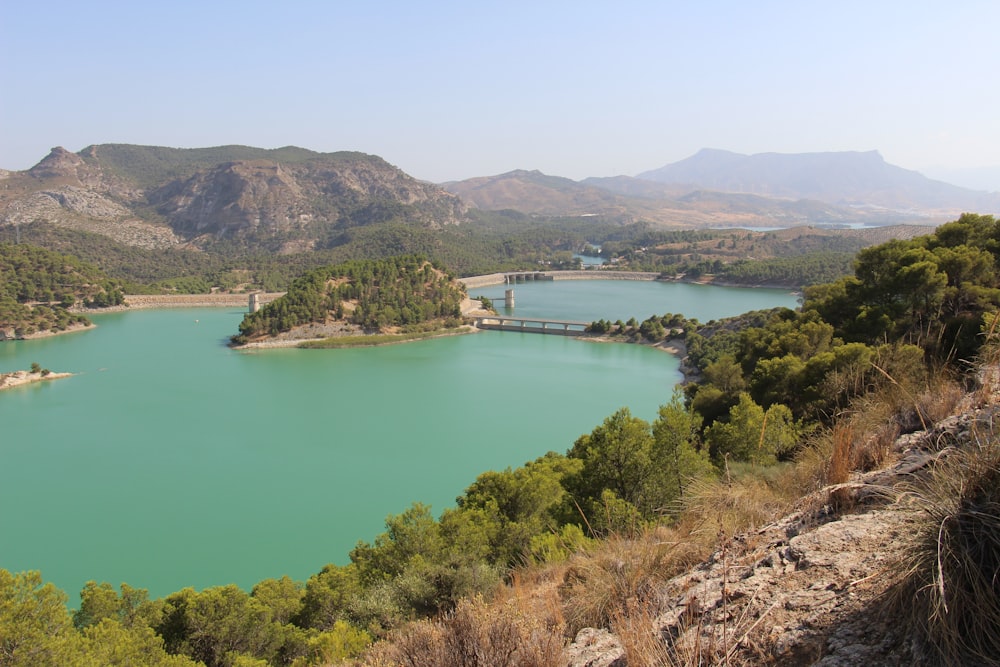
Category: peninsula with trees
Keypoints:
(360, 303)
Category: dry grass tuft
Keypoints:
(739, 502)
(940, 400)
(475, 634)
(634, 626)
(622, 574)
(949, 593)
(862, 439)
(841, 462)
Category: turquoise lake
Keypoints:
(169, 460)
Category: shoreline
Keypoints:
(22, 378)
(675, 346)
(48, 333)
(297, 342)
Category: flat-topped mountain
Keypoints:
(284, 199)
(716, 188)
(843, 178)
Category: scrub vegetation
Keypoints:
(788, 404)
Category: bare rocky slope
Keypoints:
(813, 587)
(287, 199)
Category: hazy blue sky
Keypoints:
(450, 90)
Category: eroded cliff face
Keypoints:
(261, 197)
(231, 198)
(65, 190)
(186, 200)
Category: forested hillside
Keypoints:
(37, 286)
(489, 242)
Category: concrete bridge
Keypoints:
(531, 325)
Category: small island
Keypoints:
(36, 374)
(360, 303)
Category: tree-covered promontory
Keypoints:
(373, 295)
(37, 286)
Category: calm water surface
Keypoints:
(169, 460)
(588, 300)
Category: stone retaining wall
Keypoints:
(138, 301)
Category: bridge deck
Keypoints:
(532, 325)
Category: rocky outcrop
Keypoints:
(594, 647)
(75, 207)
(234, 197)
(83, 170)
(66, 190)
(20, 378)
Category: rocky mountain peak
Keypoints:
(58, 163)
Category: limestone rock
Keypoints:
(595, 647)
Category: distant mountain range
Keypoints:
(291, 199)
(847, 178)
(719, 187)
(986, 179)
